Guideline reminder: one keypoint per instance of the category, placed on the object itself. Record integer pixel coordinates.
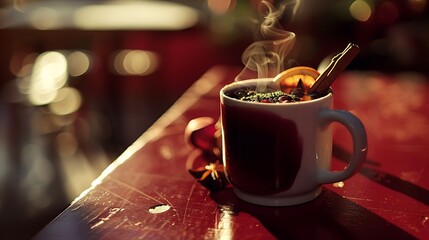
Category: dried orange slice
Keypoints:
(289, 78)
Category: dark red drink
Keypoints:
(262, 150)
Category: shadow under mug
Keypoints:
(280, 154)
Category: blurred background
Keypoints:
(81, 80)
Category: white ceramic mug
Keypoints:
(280, 154)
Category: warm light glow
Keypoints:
(360, 10)
(135, 15)
(67, 101)
(49, 74)
(44, 18)
(418, 5)
(78, 63)
(135, 62)
(101, 15)
(220, 6)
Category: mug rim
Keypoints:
(243, 82)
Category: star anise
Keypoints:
(212, 176)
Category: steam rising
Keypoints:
(265, 58)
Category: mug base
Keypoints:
(278, 200)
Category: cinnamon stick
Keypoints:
(338, 63)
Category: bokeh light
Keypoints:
(67, 101)
(135, 15)
(44, 18)
(135, 62)
(21, 64)
(79, 63)
(360, 10)
(418, 5)
(49, 74)
(220, 6)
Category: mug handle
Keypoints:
(360, 147)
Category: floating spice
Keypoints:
(269, 97)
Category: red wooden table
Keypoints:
(148, 192)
